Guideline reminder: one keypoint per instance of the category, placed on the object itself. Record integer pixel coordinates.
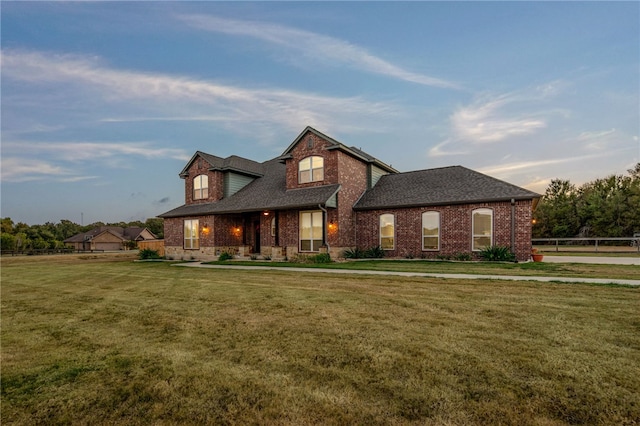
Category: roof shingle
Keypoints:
(440, 186)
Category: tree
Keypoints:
(556, 214)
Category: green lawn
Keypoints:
(481, 268)
(97, 340)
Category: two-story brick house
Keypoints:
(321, 195)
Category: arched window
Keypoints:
(482, 223)
(311, 169)
(387, 232)
(430, 231)
(200, 187)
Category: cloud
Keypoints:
(318, 47)
(491, 119)
(22, 164)
(16, 169)
(487, 121)
(225, 103)
(82, 151)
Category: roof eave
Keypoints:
(444, 203)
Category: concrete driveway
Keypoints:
(593, 259)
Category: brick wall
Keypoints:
(455, 229)
(301, 151)
(216, 182)
(352, 174)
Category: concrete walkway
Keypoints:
(593, 259)
(416, 274)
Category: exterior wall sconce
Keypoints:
(265, 213)
(332, 226)
(206, 229)
(235, 231)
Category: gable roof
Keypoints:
(353, 151)
(125, 234)
(232, 163)
(266, 193)
(441, 186)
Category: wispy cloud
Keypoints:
(18, 169)
(316, 46)
(158, 92)
(491, 119)
(82, 151)
(20, 162)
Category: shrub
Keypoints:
(497, 254)
(374, 253)
(358, 253)
(320, 258)
(225, 256)
(463, 257)
(354, 253)
(149, 254)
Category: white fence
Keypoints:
(621, 244)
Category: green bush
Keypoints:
(374, 253)
(225, 256)
(320, 258)
(463, 257)
(497, 254)
(149, 254)
(358, 253)
(354, 253)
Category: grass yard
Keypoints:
(102, 340)
(631, 272)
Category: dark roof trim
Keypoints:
(225, 165)
(444, 203)
(354, 152)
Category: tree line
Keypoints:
(606, 207)
(20, 236)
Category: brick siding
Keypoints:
(455, 229)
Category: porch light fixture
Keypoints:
(205, 229)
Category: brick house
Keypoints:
(322, 196)
(108, 238)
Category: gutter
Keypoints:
(324, 227)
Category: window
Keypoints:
(311, 231)
(430, 231)
(200, 187)
(311, 169)
(191, 235)
(482, 229)
(387, 232)
(273, 226)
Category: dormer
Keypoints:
(209, 178)
(315, 159)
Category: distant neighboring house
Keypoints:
(109, 238)
(323, 196)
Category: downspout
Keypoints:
(324, 226)
(513, 226)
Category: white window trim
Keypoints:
(203, 191)
(483, 210)
(195, 238)
(439, 229)
(380, 231)
(317, 249)
(310, 169)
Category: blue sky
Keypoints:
(103, 103)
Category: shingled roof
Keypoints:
(441, 186)
(266, 193)
(232, 163)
